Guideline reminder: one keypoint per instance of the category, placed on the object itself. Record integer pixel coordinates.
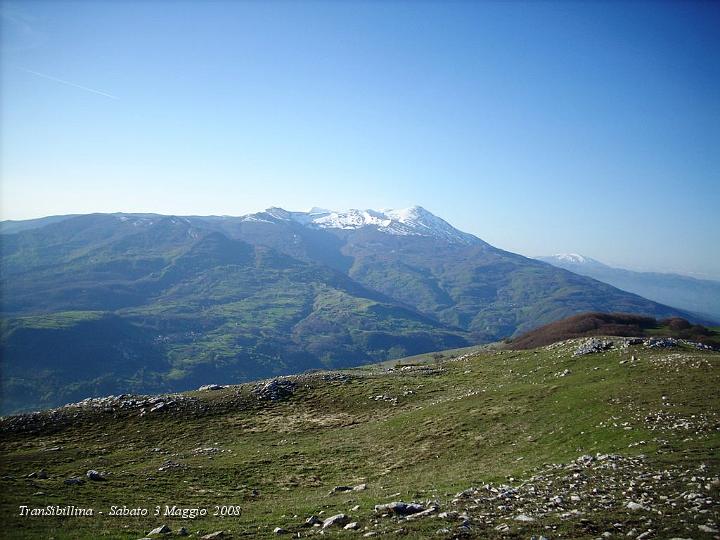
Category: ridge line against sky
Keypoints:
(539, 127)
(322, 209)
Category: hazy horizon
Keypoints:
(541, 128)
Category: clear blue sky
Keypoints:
(541, 127)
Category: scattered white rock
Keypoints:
(593, 345)
(399, 508)
(206, 387)
(163, 529)
(217, 535)
(94, 475)
(336, 520)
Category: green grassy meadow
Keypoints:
(418, 433)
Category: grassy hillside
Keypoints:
(489, 292)
(107, 322)
(511, 425)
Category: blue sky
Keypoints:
(540, 127)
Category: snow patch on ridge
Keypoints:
(352, 219)
(570, 257)
(413, 221)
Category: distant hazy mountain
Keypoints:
(572, 259)
(13, 226)
(696, 295)
(108, 303)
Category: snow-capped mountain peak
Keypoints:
(413, 221)
(571, 259)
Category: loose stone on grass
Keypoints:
(399, 508)
(218, 535)
(336, 520)
(74, 481)
(95, 476)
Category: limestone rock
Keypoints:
(312, 521)
(74, 481)
(399, 508)
(274, 390)
(217, 535)
(593, 345)
(336, 520)
(206, 387)
(95, 476)
(163, 529)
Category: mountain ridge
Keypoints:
(700, 296)
(253, 298)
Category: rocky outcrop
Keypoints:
(274, 390)
(593, 345)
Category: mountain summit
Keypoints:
(413, 221)
(560, 259)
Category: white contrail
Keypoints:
(70, 83)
